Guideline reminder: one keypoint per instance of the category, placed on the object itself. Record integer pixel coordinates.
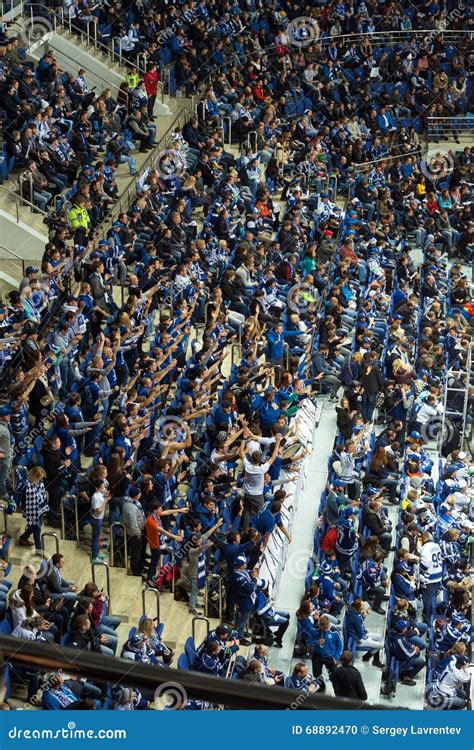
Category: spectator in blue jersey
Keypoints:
(271, 617)
(244, 594)
(347, 542)
(370, 643)
(371, 575)
(407, 654)
(208, 661)
(327, 648)
(301, 680)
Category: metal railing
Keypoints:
(449, 127)
(18, 258)
(98, 564)
(3, 511)
(210, 589)
(147, 590)
(20, 200)
(199, 618)
(74, 500)
(51, 535)
(118, 524)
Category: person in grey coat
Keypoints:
(6, 448)
(134, 520)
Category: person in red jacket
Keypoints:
(151, 79)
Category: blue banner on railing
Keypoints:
(234, 730)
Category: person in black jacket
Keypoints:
(55, 466)
(371, 381)
(85, 637)
(346, 679)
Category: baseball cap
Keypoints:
(348, 512)
(31, 269)
(5, 410)
(416, 435)
(222, 630)
(401, 624)
(338, 483)
(240, 560)
(134, 491)
(325, 567)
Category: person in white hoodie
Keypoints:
(448, 692)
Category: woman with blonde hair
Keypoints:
(147, 628)
(35, 507)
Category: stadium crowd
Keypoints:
(111, 408)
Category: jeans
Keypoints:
(241, 621)
(368, 406)
(427, 594)
(69, 598)
(41, 198)
(155, 559)
(34, 529)
(193, 593)
(96, 524)
(411, 666)
(343, 561)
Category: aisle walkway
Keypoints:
(301, 547)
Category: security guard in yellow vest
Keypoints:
(132, 79)
(79, 220)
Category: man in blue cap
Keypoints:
(6, 448)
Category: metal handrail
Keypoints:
(3, 510)
(94, 565)
(112, 546)
(383, 159)
(213, 576)
(130, 192)
(76, 516)
(146, 589)
(22, 200)
(17, 257)
(193, 625)
(54, 536)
